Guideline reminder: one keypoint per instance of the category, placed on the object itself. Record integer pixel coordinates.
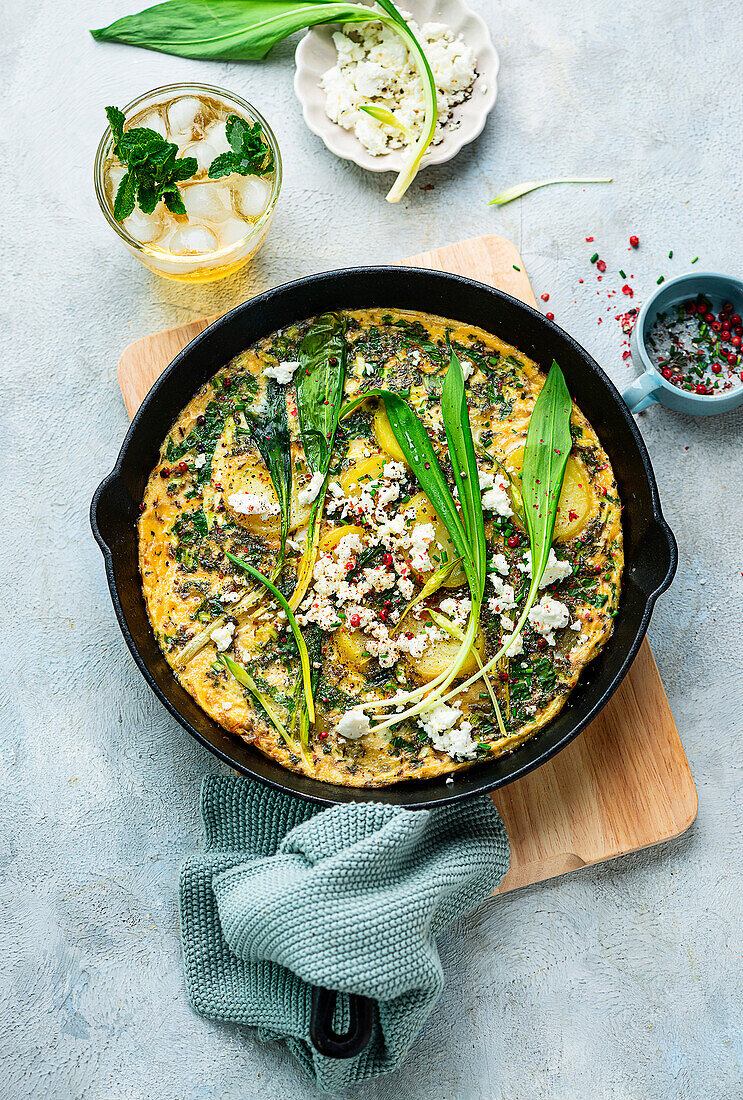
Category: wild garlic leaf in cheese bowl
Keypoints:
(336, 546)
(317, 56)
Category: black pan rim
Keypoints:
(474, 776)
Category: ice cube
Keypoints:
(207, 202)
(203, 152)
(192, 240)
(233, 230)
(145, 228)
(154, 121)
(114, 176)
(217, 137)
(250, 194)
(171, 224)
(182, 115)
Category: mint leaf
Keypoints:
(222, 165)
(250, 156)
(174, 201)
(124, 201)
(153, 170)
(116, 120)
(147, 196)
(184, 168)
(235, 130)
(137, 144)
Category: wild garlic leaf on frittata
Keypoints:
(319, 382)
(420, 455)
(548, 446)
(456, 419)
(269, 432)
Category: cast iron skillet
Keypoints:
(650, 548)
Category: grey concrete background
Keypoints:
(622, 982)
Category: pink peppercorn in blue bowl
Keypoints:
(686, 341)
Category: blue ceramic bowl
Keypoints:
(651, 387)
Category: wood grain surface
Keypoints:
(624, 783)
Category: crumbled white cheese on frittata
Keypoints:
(448, 734)
(504, 598)
(311, 491)
(495, 496)
(223, 635)
(555, 571)
(547, 616)
(514, 643)
(500, 564)
(353, 724)
(253, 504)
(283, 373)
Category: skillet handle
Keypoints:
(323, 1036)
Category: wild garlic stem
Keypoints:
(445, 678)
(455, 632)
(417, 151)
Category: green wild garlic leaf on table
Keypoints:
(521, 189)
(247, 30)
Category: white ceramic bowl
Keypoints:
(316, 54)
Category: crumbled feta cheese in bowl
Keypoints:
(373, 67)
(317, 51)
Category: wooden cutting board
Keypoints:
(624, 783)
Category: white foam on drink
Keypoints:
(182, 115)
(145, 228)
(208, 201)
(193, 240)
(251, 195)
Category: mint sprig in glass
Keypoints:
(188, 177)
